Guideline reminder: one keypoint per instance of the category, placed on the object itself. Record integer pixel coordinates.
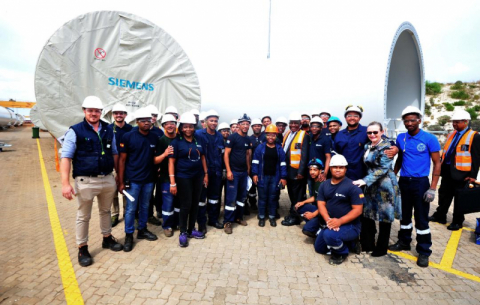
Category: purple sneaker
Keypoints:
(196, 234)
(183, 240)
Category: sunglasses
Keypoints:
(144, 121)
(372, 132)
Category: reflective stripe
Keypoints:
(410, 226)
(240, 203)
(255, 161)
(295, 162)
(230, 208)
(167, 213)
(462, 164)
(463, 154)
(283, 163)
(423, 232)
(176, 210)
(202, 204)
(212, 201)
(337, 247)
(319, 230)
(252, 195)
(295, 152)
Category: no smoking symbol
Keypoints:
(100, 53)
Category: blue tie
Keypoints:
(452, 147)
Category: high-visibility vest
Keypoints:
(463, 157)
(295, 153)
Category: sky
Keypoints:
(324, 54)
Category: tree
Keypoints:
(444, 119)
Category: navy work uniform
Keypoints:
(252, 192)
(213, 146)
(350, 144)
(415, 152)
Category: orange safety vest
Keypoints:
(463, 157)
(295, 150)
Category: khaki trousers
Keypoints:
(86, 188)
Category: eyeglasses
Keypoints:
(144, 121)
(154, 115)
(410, 121)
(372, 132)
(119, 113)
(190, 151)
(324, 116)
(356, 116)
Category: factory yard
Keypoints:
(38, 255)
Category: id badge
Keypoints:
(298, 145)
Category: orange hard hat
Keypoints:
(271, 128)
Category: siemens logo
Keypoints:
(112, 81)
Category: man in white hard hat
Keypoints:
(460, 160)
(170, 206)
(137, 176)
(238, 156)
(296, 145)
(325, 116)
(281, 124)
(213, 147)
(256, 139)
(224, 129)
(306, 122)
(233, 126)
(120, 127)
(340, 204)
(196, 113)
(91, 148)
(417, 150)
(173, 111)
(202, 117)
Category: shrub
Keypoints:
(472, 86)
(432, 102)
(433, 88)
(444, 119)
(449, 107)
(468, 104)
(475, 124)
(476, 107)
(461, 94)
(476, 97)
(472, 112)
(428, 112)
(435, 128)
(459, 103)
(458, 85)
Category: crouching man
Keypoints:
(340, 203)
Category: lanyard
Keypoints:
(101, 143)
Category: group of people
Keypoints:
(339, 181)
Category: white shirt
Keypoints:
(289, 140)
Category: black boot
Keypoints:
(111, 243)
(84, 257)
(145, 234)
(246, 208)
(128, 242)
(367, 235)
(383, 239)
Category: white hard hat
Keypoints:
(317, 120)
(338, 160)
(411, 109)
(256, 122)
(460, 115)
(223, 125)
(265, 116)
(152, 109)
(195, 111)
(202, 116)
(294, 116)
(143, 113)
(168, 118)
(282, 119)
(306, 114)
(92, 102)
(188, 118)
(353, 109)
(324, 111)
(211, 113)
(234, 121)
(171, 109)
(119, 107)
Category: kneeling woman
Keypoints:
(269, 171)
(382, 194)
(188, 171)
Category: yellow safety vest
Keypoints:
(295, 150)
(463, 157)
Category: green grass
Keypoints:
(432, 88)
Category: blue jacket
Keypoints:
(93, 155)
(257, 163)
(351, 146)
(213, 151)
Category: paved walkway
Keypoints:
(252, 266)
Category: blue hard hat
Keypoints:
(316, 162)
(334, 119)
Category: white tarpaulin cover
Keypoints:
(35, 118)
(118, 57)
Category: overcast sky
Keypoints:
(324, 54)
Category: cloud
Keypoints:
(458, 68)
(16, 85)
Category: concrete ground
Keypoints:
(252, 266)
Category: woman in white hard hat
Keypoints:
(187, 168)
(382, 193)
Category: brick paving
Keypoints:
(252, 266)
